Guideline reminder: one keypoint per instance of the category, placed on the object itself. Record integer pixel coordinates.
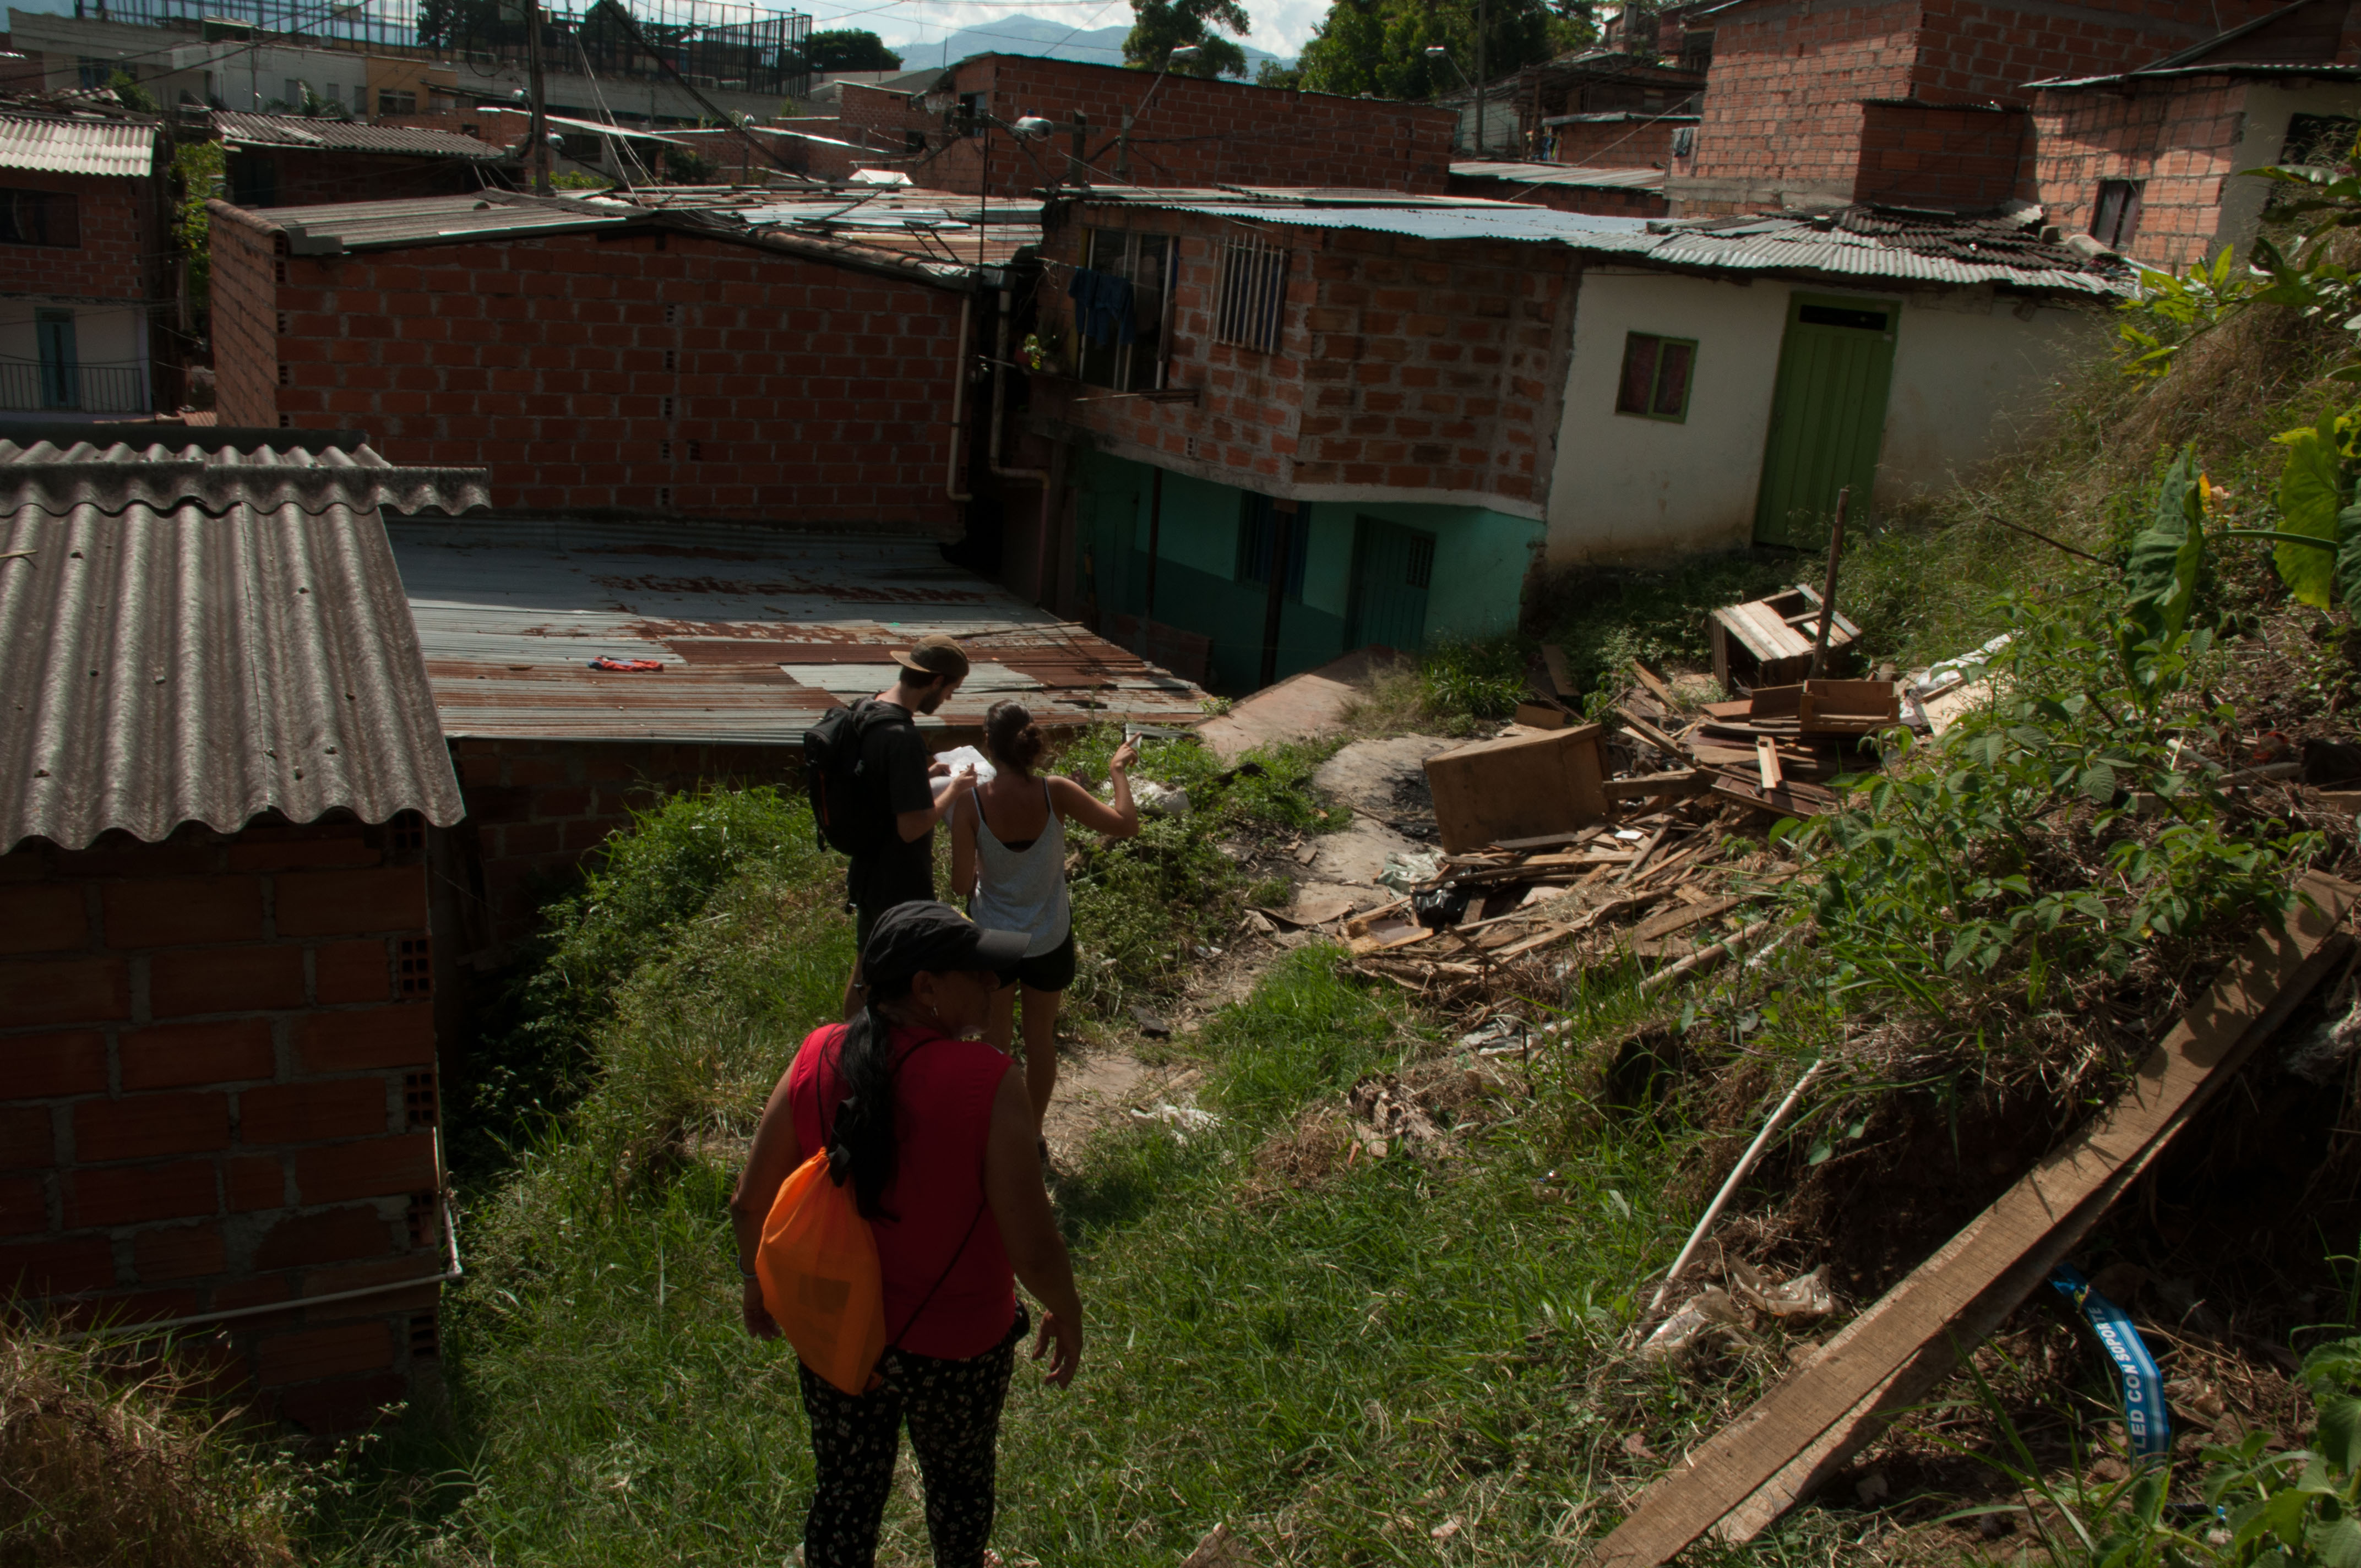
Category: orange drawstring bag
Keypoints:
(817, 1267)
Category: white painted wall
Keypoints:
(1968, 369)
(2268, 106)
(111, 337)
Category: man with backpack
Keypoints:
(876, 793)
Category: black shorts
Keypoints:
(1053, 970)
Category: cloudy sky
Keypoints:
(1280, 26)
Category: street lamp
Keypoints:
(1437, 51)
(1184, 54)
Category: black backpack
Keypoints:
(849, 815)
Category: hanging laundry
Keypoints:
(1101, 307)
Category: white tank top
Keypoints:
(1023, 890)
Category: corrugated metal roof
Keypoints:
(758, 631)
(125, 149)
(622, 133)
(168, 664)
(2223, 68)
(1562, 174)
(1856, 241)
(928, 235)
(239, 128)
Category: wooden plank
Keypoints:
(1551, 840)
(1656, 687)
(1766, 757)
(2244, 1005)
(1796, 800)
(1649, 733)
(1681, 920)
(1634, 788)
(1553, 657)
(1773, 702)
(1542, 716)
(1849, 707)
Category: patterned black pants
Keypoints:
(953, 1409)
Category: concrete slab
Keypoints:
(1298, 708)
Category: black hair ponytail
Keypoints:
(862, 1146)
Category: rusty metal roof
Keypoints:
(306, 133)
(757, 630)
(212, 633)
(63, 145)
(1637, 179)
(1881, 244)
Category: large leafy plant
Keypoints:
(2012, 851)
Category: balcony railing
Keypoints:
(73, 389)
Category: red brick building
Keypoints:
(1918, 102)
(1194, 132)
(215, 969)
(2147, 162)
(601, 359)
(82, 243)
(1345, 394)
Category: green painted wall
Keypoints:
(1481, 561)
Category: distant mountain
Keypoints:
(1031, 35)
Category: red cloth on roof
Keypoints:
(942, 1094)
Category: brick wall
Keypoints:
(1964, 159)
(1782, 117)
(536, 808)
(320, 179)
(111, 261)
(1619, 144)
(221, 1093)
(2180, 137)
(1783, 100)
(1195, 133)
(1409, 363)
(641, 372)
(886, 118)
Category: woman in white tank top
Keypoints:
(1008, 858)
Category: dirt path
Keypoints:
(1384, 782)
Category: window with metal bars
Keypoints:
(1250, 294)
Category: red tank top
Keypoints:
(943, 1092)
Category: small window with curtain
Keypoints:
(1656, 376)
(1250, 294)
(2116, 220)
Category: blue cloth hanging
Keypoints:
(1101, 307)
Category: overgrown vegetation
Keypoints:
(121, 1463)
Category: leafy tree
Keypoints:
(458, 24)
(197, 166)
(850, 49)
(1160, 27)
(1270, 74)
(131, 95)
(1378, 47)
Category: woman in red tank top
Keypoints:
(935, 1131)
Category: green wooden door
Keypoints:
(1827, 414)
(1391, 568)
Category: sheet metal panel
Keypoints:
(757, 630)
(1564, 174)
(1859, 242)
(122, 148)
(168, 665)
(239, 128)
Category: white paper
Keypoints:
(969, 757)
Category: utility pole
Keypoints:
(1483, 144)
(537, 129)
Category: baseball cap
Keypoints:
(935, 655)
(925, 935)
